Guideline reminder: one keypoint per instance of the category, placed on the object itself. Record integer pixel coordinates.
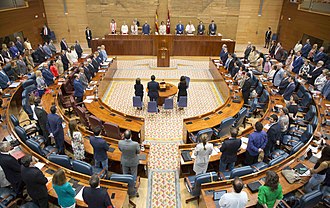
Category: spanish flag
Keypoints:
(156, 22)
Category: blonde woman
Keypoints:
(59, 65)
(202, 152)
(41, 84)
(29, 60)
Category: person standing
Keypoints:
(190, 28)
(246, 86)
(11, 168)
(95, 196)
(35, 182)
(270, 194)
(138, 87)
(179, 28)
(89, 37)
(153, 88)
(229, 150)
(42, 119)
(77, 140)
(182, 86)
(146, 28)
(78, 89)
(45, 33)
(202, 152)
(55, 128)
(100, 148)
(235, 199)
(41, 84)
(273, 135)
(64, 45)
(306, 48)
(78, 49)
(130, 151)
(201, 28)
(268, 36)
(65, 192)
(289, 90)
(113, 26)
(212, 28)
(162, 28)
(256, 145)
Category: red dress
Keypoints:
(54, 70)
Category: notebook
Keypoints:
(254, 186)
(218, 194)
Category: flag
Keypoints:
(168, 23)
(156, 22)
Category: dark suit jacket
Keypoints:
(11, 168)
(297, 64)
(91, 69)
(153, 88)
(95, 64)
(247, 52)
(100, 148)
(4, 79)
(54, 125)
(78, 88)
(138, 90)
(229, 149)
(305, 50)
(78, 49)
(146, 29)
(63, 46)
(284, 83)
(96, 197)
(246, 90)
(200, 29)
(223, 56)
(88, 73)
(278, 56)
(35, 182)
(288, 91)
(268, 35)
(274, 133)
(319, 56)
(179, 28)
(272, 50)
(314, 73)
(65, 62)
(88, 36)
(42, 120)
(48, 77)
(41, 55)
(182, 89)
(212, 29)
(20, 47)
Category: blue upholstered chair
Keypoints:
(292, 140)
(62, 160)
(296, 148)
(236, 172)
(183, 102)
(8, 197)
(194, 183)
(301, 91)
(137, 102)
(307, 200)
(152, 107)
(20, 131)
(262, 165)
(35, 146)
(239, 120)
(86, 168)
(187, 81)
(259, 89)
(196, 138)
(130, 180)
(28, 82)
(306, 100)
(26, 124)
(29, 205)
(168, 104)
(224, 127)
(27, 108)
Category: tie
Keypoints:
(45, 31)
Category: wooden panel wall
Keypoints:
(300, 22)
(25, 20)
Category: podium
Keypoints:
(163, 52)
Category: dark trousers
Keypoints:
(42, 202)
(41, 93)
(18, 188)
(249, 159)
(79, 99)
(89, 43)
(267, 41)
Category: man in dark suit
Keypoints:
(314, 73)
(95, 196)
(11, 168)
(306, 48)
(45, 33)
(47, 75)
(42, 119)
(40, 53)
(65, 60)
(272, 48)
(247, 50)
(278, 55)
(319, 55)
(246, 87)
(273, 135)
(129, 154)
(88, 34)
(4, 79)
(268, 36)
(100, 148)
(64, 45)
(78, 89)
(55, 128)
(95, 62)
(212, 28)
(153, 88)
(19, 45)
(284, 83)
(200, 28)
(91, 67)
(224, 53)
(179, 28)
(78, 49)
(35, 182)
(229, 149)
(297, 63)
(326, 89)
(289, 89)
(146, 28)
(87, 72)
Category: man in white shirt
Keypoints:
(134, 28)
(190, 29)
(124, 29)
(235, 199)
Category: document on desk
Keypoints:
(244, 145)
(90, 88)
(267, 126)
(14, 84)
(79, 195)
(87, 101)
(39, 165)
(245, 140)
(90, 97)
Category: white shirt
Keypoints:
(34, 113)
(134, 29)
(234, 200)
(124, 29)
(113, 27)
(320, 82)
(297, 47)
(162, 29)
(190, 28)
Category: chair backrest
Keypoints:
(137, 103)
(203, 178)
(314, 122)
(301, 91)
(277, 160)
(20, 131)
(241, 171)
(168, 104)
(35, 146)
(62, 160)
(264, 96)
(82, 116)
(225, 126)
(25, 94)
(208, 132)
(306, 100)
(297, 147)
(27, 108)
(187, 81)
(27, 83)
(183, 102)
(30, 88)
(82, 167)
(29, 205)
(310, 113)
(14, 120)
(311, 199)
(152, 107)
(112, 130)
(94, 121)
(125, 178)
(240, 117)
(73, 104)
(254, 81)
(259, 88)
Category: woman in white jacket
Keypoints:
(202, 152)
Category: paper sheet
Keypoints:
(87, 101)
(14, 84)
(245, 140)
(39, 165)
(90, 97)
(79, 195)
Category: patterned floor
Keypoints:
(163, 130)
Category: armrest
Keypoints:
(101, 172)
(285, 204)
(51, 152)
(301, 191)
(214, 129)
(221, 176)
(188, 183)
(5, 197)
(137, 183)
(27, 120)
(252, 166)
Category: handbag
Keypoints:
(291, 176)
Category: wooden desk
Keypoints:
(184, 45)
(170, 91)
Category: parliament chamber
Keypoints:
(214, 107)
